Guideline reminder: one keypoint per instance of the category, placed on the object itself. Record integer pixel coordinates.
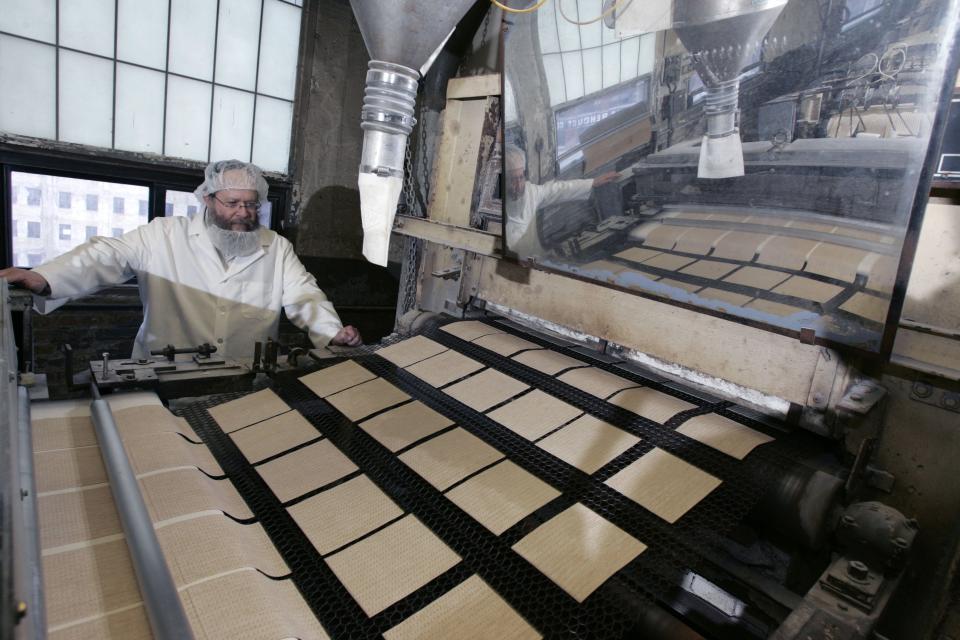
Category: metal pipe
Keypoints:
(168, 621)
(387, 117)
(30, 559)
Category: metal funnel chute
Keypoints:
(401, 37)
(722, 36)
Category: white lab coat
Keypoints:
(522, 234)
(189, 296)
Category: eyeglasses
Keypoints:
(233, 205)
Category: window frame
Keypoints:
(157, 177)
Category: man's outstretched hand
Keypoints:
(26, 279)
(347, 337)
(605, 178)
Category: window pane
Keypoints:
(547, 28)
(142, 211)
(27, 86)
(648, 52)
(629, 58)
(31, 18)
(142, 32)
(139, 116)
(271, 134)
(553, 70)
(232, 124)
(591, 35)
(188, 118)
(593, 60)
(278, 49)
(573, 74)
(86, 99)
(87, 25)
(118, 206)
(237, 38)
(48, 229)
(193, 26)
(266, 212)
(612, 59)
(178, 202)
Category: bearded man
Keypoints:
(218, 277)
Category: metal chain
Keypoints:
(407, 295)
(486, 25)
(409, 200)
(424, 155)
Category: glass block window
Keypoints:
(580, 60)
(196, 79)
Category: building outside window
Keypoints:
(116, 232)
(118, 205)
(49, 230)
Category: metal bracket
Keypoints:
(927, 393)
(450, 273)
(853, 582)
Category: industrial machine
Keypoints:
(709, 213)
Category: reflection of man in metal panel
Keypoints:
(524, 199)
(217, 277)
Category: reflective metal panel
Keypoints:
(761, 163)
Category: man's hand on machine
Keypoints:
(605, 178)
(347, 337)
(26, 279)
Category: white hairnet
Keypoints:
(231, 174)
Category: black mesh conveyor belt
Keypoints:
(547, 607)
(612, 610)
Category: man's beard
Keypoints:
(232, 244)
